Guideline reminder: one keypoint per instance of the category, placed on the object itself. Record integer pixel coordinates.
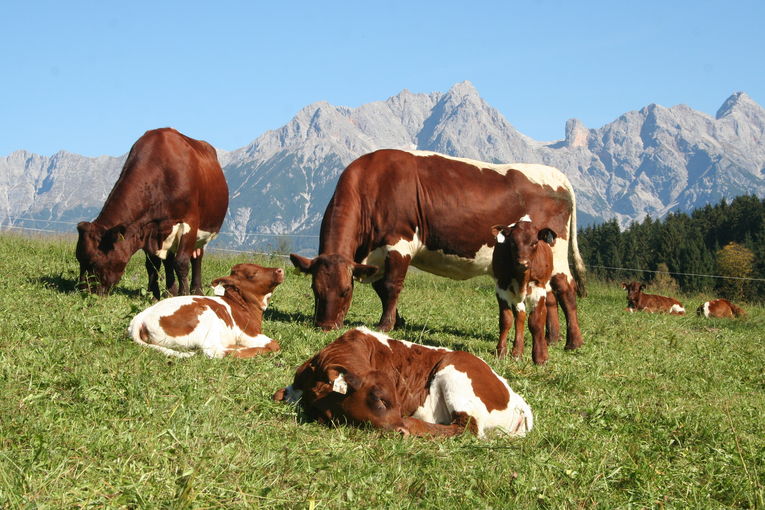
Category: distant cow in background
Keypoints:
(170, 200)
(365, 377)
(227, 325)
(522, 264)
(637, 300)
(720, 308)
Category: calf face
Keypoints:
(255, 283)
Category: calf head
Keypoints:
(516, 243)
(332, 283)
(103, 255)
(634, 290)
(336, 395)
(252, 282)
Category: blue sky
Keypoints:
(91, 77)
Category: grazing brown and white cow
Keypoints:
(638, 300)
(522, 264)
(170, 200)
(365, 377)
(721, 309)
(218, 326)
(393, 208)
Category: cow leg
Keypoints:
(537, 319)
(519, 314)
(389, 287)
(170, 282)
(153, 264)
(196, 272)
(249, 352)
(182, 270)
(566, 295)
(505, 315)
(552, 323)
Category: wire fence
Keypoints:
(214, 248)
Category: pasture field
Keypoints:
(655, 411)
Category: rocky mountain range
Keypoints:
(647, 162)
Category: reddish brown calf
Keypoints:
(522, 264)
(637, 300)
(721, 309)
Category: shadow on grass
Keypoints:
(66, 285)
(274, 314)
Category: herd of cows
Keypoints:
(452, 217)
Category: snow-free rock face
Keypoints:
(646, 162)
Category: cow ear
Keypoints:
(496, 232)
(642, 286)
(84, 226)
(361, 271)
(111, 237)
(624, 285)
(547, 235)
(302, 264)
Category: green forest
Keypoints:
(717, 249)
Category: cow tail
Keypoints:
(579, 270)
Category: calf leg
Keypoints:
(552, 323)
(417, 427)
(389, 288)
(565, 292)
(519, 314)
(537, 327)
(505, 315)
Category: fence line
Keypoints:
(626, 269)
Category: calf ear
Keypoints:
(642, 286)
(302, 264)
(496, 232)
(227, 282)
(624, 285)
(361, 271)
(547, 235)
(342, 380)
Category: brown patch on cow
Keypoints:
(143, 333)
(185, 320)
(486, 385)
(248, 352)
(217, 308)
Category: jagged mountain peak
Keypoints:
(737, 102)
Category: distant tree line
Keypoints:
(727, 240)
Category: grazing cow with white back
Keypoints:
(720, 309)
(522, 264)
(392, 209)
(365, 377)
(638, 300)
(170, 200)
(218, 326)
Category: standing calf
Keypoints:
(637, 300)
(218, 325)
(720, 308)
(365, 377)
(522, 264)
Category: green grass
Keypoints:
(655, 411)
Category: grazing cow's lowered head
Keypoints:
(638, 300)
(332, 284)
(367, 378)
(721, 309)
(223, 325)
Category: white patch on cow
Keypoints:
(172, 241)
(521, 307)
(380, 337)
(339, 385)
(706, 309)
(677, 309)
(500, 238)
(203, 238)
(526, 218)
(452, 391)
(266, 300)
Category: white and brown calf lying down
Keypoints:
(365, 377)
(721, 309)
(223, 325)
(522, 265)
(637, 300)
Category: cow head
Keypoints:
(517, 242)
(634, 289)
(103, 254)
(332, 284)
(337, 395)
(252, 282)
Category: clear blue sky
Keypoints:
(91, 77)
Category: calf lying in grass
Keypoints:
(721, 309)
(365, 377)
(638, 300)
(225, 325)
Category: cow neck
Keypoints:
(341, 227)
(130, 201)
(248, 316)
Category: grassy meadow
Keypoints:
(655, 411)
